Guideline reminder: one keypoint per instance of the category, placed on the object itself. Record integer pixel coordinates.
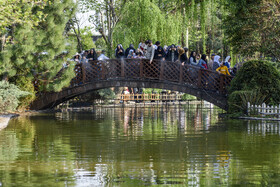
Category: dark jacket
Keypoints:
(119, 54)
(128, 49)
(159, 53)
(92, 56)
(169, 55)
(184, 58)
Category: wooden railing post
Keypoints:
(181, 74)
(122, 68)
(199, 84)
(161, 70)
(141, 68)
(102, 70)
(83, 72)
(221, 87)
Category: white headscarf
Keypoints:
(217, 58)
(227, 59)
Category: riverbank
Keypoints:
(4, 120)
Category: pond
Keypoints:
(171, 145)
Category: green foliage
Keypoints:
(86, 37)
(9, 97)
(256, 81)
(187, 97)
(24, 84)
(40, 51)
(13, 12)
(100, 44)
(238, 100)
(253, 26)
(106, 94)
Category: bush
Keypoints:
(187, 97)
(255, 82)
(9, 97)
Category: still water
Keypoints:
(176, 146)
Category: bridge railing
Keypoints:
(157, 70)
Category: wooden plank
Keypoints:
(84, 73)
(102, 70)
(161, 70)
(199, 83)
(221, 86)
(141, 69)
(122, 68)
(181, 74)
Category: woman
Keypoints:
(77, 58)
(193, 58)
(183, 55)
(159, 53)
(216, 62)
(119, 51)
(203, 62)
(92, 55)
(227, 62)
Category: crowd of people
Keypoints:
(172, 53)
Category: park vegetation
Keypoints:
(38, 37)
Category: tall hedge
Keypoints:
(254, 77)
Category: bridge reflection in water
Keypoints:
(202, 83)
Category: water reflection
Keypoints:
(183, 145)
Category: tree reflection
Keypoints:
(183, 145)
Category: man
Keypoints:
(102, 56)
(211, 62)
(150, 53)
(172, 54)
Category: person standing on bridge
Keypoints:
(92, 55)
(216, 63)
(103, 56)
(159, 53)
(150, 53)
(203, 62)
(223, 69)
(193, 58)
(183, 55)
(119, 51)
(172, 54)
(131, 47)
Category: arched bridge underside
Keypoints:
(205, 84)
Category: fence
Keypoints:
(263, 110)
(150, 97)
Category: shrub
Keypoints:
(9, 97)
(256, 81)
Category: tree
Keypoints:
(13, 12)
(253, 27)
(39, 52)
(107, 13)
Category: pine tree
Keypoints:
(39, 52)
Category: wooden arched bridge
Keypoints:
(202, 83)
